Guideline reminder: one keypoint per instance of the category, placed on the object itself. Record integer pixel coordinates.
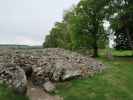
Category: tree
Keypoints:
(92, 14)
(122, 23)
(58, 37)
(75, 24)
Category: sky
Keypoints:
(27, 22)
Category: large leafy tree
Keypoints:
(91, 14)
(122, 23)
(75, 25)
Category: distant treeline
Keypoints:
(8, 46)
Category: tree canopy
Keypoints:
(82, 25)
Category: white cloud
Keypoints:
(22, 40)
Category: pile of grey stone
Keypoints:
(44, 67)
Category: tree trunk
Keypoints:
(95, 38)
(129, 38)
(95, 48)
(95, 51)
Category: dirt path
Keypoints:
(36, 93)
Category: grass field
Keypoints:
(115, 83)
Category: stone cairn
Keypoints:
(43, 66)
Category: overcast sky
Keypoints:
(28, 21)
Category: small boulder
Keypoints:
(70, 74)
(49, 87)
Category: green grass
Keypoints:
(115, 83)
(120, 53)
(7, 94)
